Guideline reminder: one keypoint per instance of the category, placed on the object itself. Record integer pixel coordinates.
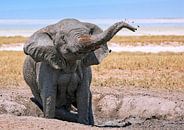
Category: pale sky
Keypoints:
(58, 9)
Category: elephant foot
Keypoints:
(91, 120)
(63, 114)
(34, 100)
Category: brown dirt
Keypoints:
(118, 108)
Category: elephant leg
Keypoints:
(83, 105)
(29, 73)
(48, 89)
(83, 97)
(48, 100)
(64, 114)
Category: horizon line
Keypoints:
(95, 20)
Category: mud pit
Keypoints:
(125, 107)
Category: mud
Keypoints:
(118, 108)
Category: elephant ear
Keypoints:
(95, 57)
(41, 48)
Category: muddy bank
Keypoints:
(128, 108)
(135, 106)
(11, 122)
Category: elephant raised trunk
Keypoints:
(91, 41)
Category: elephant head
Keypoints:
(76, 39)
(71, 40)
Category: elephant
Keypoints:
(57, 67)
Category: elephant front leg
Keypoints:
(83, 106)
(47, 77)
(84, 103)
(48, 96)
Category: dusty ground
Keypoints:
(124, 108)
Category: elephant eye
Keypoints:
(63, 38)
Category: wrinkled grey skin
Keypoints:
(57, 67)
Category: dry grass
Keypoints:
(12, 39)
(124, 40)
(145, 40)
(153, 71)
(11, 68)
(163, 71)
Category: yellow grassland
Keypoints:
(147, 40)
(123, 40)
(12, 39)
(162, 71)
(153, 71)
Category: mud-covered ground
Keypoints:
(119, 108)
